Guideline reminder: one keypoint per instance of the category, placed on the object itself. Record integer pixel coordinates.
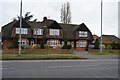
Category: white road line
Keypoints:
(60, 60)
(76, 66)
(6, 68)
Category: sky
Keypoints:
(82, 11)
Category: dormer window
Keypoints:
(23, 31)
(55, 32)
(38, 31)
(82, 34)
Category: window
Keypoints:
(53, 43)
(54, 32)
(82, 34)
(23, 41)
(72, 44)
(23, 31)
(38, 31)
(77, 44)
(83, 44)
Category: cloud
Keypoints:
(87, 11)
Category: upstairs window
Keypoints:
(54, 32)
(38, 31)
(23, 31)
(82, 34)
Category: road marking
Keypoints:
(6, 68)
(76, 66)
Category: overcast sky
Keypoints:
(83, 11)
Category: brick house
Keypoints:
(78, 36)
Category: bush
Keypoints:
(66, 46)
(42, 43)
(15, 43)
(35, 46)
(24, 46)
(109, 47)
(113, 45)
(47, 46)
(97, 43)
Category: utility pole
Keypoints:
(20, 27)
(101, 30)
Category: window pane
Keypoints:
(83, 44)
(39, 31)
(54, 31)
(82, 34)
(23, 30)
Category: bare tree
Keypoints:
(66, 13)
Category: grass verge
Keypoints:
(38, 56)
(105, 52)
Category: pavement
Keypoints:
(86, 54)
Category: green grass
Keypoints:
(38, 56)
(41, 51)
(105, 52)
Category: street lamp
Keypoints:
(101, 30)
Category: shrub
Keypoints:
(97, 43)
(47, 46)
(109, 47)
(15, 42)
(115, 45)
(58, 46)
(35, 46)
(42, 43)
(24, 46)
(66, 46)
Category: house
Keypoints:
(110, 39)
(54, 33)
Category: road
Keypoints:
(60, 69)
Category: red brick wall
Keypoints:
(6, 43)
(80, 48)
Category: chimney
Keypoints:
(44, 18)
(45, 21)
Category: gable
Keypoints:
(7, 29)
(54, 25)
(24, 24)
(82, 27)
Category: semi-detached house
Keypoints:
(78, 36)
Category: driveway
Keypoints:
(86, 54)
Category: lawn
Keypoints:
(104, 52)
(38, 56)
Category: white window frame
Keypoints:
(23, 41)
(39, 31)
(83, 43)
(53, 43)
(55, 32)
(77, 44)
(23, 31)
(83, 34)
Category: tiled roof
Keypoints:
(68, 29)
(110, 38)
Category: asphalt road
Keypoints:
(60, 69)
